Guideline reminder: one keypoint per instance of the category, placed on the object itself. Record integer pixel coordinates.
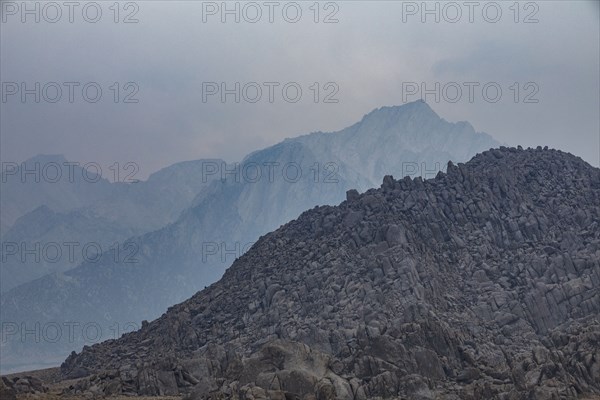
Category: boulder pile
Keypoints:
(482, 283)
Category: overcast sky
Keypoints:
(372, 56)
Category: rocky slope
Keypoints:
(483, 282)
(241, 202)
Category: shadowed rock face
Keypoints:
(481, 283)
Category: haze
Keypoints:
(373, 54)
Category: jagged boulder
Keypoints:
(7, 389)
(26, 385)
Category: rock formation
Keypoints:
(481, 283)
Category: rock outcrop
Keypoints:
(27, 384)
(7, 389)
(483, 282)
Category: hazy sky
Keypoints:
(376, 54)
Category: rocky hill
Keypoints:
(482, 283)
(236, 204)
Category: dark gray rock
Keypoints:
(480, 283)
(352, 194)
(28, 384)
(7, 389)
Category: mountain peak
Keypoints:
(47, 158)
(417, 107)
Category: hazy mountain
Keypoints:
(48, 180)
(267, 189)
(54, 182)
(62, 204)
(43, 241)
(399, 140)
(482, 283)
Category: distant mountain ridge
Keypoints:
(229, 214)
(43, 241)
(62, 185)
(83, 207)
